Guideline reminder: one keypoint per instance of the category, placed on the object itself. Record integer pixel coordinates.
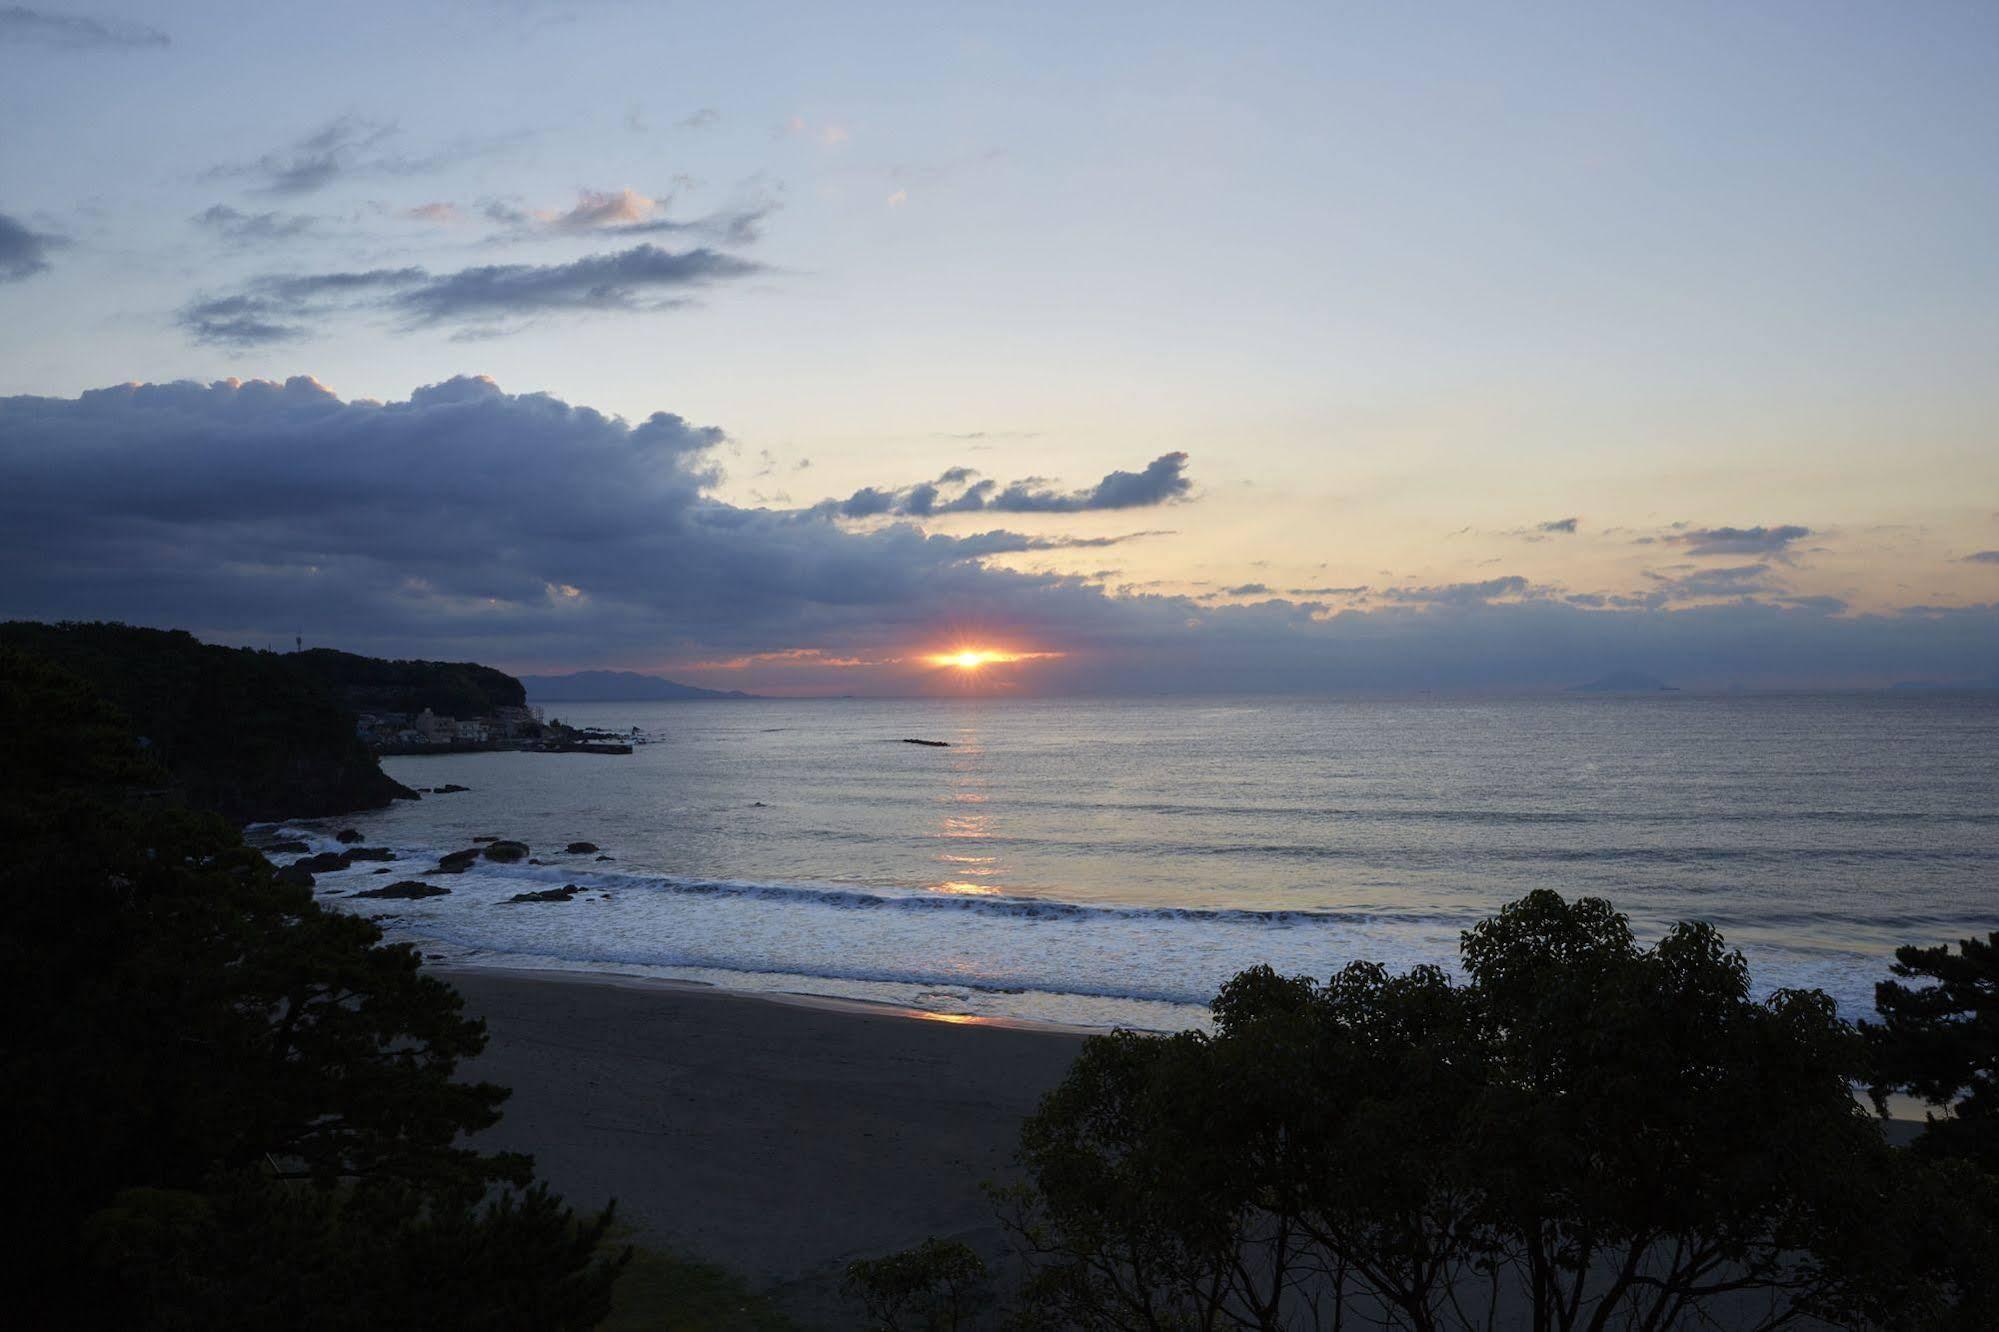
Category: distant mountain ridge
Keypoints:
(616, 687)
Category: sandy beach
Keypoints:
(781, 1139)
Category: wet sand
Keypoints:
(781, 1139)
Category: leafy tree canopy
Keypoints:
(218, 1092)
(1583, 1133)
(1938, 1040)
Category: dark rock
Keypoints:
(347, 835)
(579, 848)
(295, 876)
(406, 888)
(285, 848)
(485, 839)
(933, 744)
(563, 894)
(449, 788)
(369, 853)
(533, 861)
(465, 857)
(323, 863)
(607, 857)
(384, 870)
(506, 851)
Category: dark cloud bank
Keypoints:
(520, 530)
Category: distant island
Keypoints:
(616, 687)
(1625, 682)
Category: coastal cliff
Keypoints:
(250, 735)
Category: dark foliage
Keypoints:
(448, 688)
(209, 1079)
(938, 1286)
(246, 1255)
(1938, 1040)
(1585, 1134)
(245, 734)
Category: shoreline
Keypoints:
(833, 1003)
(780, 1136)
(777, 1136)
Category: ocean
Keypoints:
(1113, 862)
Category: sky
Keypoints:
(1157, 347)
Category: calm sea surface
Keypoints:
(1099, 862)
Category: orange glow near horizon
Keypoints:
(975, 658)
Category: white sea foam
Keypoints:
(1117, 862)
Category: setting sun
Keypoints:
(971, 659)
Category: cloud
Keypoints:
(237, 321)
(24, 252)
(239, 228)
(441, 212)
(628, 280)
(1732, 581)
(700, 119)
(1559, 527)
(603, 208)
(1759, 540)
(73, 32)
(1983, 557)
(1247, 590)
(455, 524)
(738, 225)
(345, 146)
(1462, 594)
(1012, 543)
(282, 307)
(273, 309)
(1164, 479)
(316, 160)
(626, 212)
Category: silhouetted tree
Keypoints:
(1584, 1134)
(938, 1286)
(203, 1066)
(1938, 1040)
